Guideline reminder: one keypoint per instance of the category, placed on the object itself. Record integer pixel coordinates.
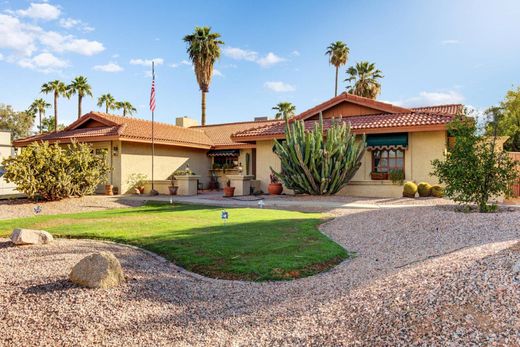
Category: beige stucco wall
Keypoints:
(114, 160)
(136, 158)
(423, 147)
(5, 144)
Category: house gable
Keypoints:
(345, 109)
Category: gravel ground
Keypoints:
(25, 208)
(422, 276)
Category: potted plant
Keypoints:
(136, 181)
(379, 175)
(228, 190)
(275, 187)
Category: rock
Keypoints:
(516, 267)
(30, 237)
(98, 270)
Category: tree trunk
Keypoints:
(124, 112)
(79, 105)
(336, 89)
(40, 116)
(106, 107)
(203, 114)
(55, 112)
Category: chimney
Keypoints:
(185, 122)
(260, 119)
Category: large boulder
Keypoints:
(98, 270)
(30, 237)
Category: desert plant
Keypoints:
(364, 80)
(424, 189)
(54, 172)
(137, 180)
(186, 172)
(397, 176)
(474, 171)
(409, 189)
(437, 191)
(315, 162)
(273, 178)
(56, 88)
(80, 86)
(338, 55)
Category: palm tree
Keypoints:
(203, 50)
(108, 100)
(57, 88)
(285, 110)
(80, 86)
(364, 80)
(338, 55)
(39, 105)
(126, 106)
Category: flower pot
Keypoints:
(141, 189)
(275, 188)
(109, 189)
(379, 175)
(173, 190)
(229, 192)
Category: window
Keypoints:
(225, 162)
(384, 161)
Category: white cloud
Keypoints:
(40, 11)
(44, 62)
(110, 67)
(279, 87)
(295, 53)
(1, 57)
(71, 23)
(242, 54)
(431, 99)
(186, 62)
(174, 65)
(217, 73)
(270, 59)
(147, 62)
(16, 35)
(450, 42)
(68, 43)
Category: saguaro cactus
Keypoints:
(318, 163)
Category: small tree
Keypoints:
(315, 162)
(473, 170)
(54, 172)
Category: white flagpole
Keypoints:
(153, 192)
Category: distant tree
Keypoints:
(18, 123)
(80, 86)
(364, 80)
(126, 106)
(338, 55)
(506, 117)
(203, 50)
(285, 110)
(57, 88)
(39, 106)
(48, 125)
(108, 100)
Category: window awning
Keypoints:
(224, 153)
(387, 141)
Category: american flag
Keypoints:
(152, 94)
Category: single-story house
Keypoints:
(6, 150)
(398, 138)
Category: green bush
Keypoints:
(396, 176)
(437, 191)
(409, 190)
(424, 189)
(54, 172)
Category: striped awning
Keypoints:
(224, 153)
(387, 141)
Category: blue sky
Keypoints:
(430, 52)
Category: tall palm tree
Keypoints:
(80, 86)
(364, 80)
(57, 88)
(338, 55)
(126, 106)
(285, 110)
(39, 105)
(108, 100)
(204, 50)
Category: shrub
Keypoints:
(137, 180)
(424, 189)
(54, 172)
(397, 176)
(409, 190)
(317, 162)
(437, 191)
(473, 170)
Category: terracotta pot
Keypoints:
(109, 189)
(173, 190)
(379, 175)
(229, 192)
(275, 188)
(141, 189)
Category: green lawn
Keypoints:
(255, 244)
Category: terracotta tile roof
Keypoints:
(126, 128)
(220, 134)
(359, 100)
(452, 109)
(360, 124)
